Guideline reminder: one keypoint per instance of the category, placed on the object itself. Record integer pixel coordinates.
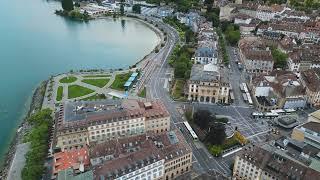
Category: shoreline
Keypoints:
(22, 129)
(39, 93)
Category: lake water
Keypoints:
(35, 43)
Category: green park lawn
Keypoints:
(68, 79)
(142, 93)
(177, 91)
(98, 75)
(59, 93)
(94, 97)
(120, 80)
(96, 82)
(77, 91)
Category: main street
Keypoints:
(239, 113)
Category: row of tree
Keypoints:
(180, 61)
(39, 138)
(181, 5)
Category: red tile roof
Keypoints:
(70, 159)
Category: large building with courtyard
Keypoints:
(208, 84)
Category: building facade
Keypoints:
(308, 133)
(208, 84)
(162, 156)
(311, 81)
(255, 56)
(79, 124)
(267, 162)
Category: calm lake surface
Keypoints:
(35, 43)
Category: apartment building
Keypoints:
(163, 155)
(308, 133)
(280, 88)
(81, 123)
(268, 162)
(311, 81)
(303, 59)
(208, 84)
(76, 159)
(255, 56)
(205, 55)
(314, 117)
(266, 13)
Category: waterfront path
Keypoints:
(18, 162)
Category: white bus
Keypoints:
(245, 88)
(193, 134)
(249, 99)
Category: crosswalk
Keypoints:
(148, 11)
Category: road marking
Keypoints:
(254, 135)
(231, 152)
(165, 83)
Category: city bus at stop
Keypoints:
(192, 133)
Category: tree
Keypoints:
(232, 34)
(136, 8)
(179, 69)
(202, 118)
(216, 134)
(280, 58)
(67, 5)
(216, 150)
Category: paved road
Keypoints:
(239, 112)
(202, 159)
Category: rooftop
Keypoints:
(315, 115)
(311, 78)
(313, 126)
(83, 114)
(139, 151)
(75, 159)
(276, 162)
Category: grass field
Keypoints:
(78, 91)
(120, 80)
(177, 91)
(96, 82)
(143, 93)
(94, 97)
(98, 75)
(68, 79)
(59, 93)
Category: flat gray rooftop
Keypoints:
(75, 111)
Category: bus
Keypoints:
(245, 98)
(283, 111)
(289, 111)
(241, 88)
(231, 97)
(193, 134)
(249, 99)
(268, 115)
(271, 115)
(245, 88)
(256, 115)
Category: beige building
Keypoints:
(162, 156)
(309, 133)
(82, 123)
(208, 84)
(267, 162)
(255, 56)
(314, 117)
(311, 81)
